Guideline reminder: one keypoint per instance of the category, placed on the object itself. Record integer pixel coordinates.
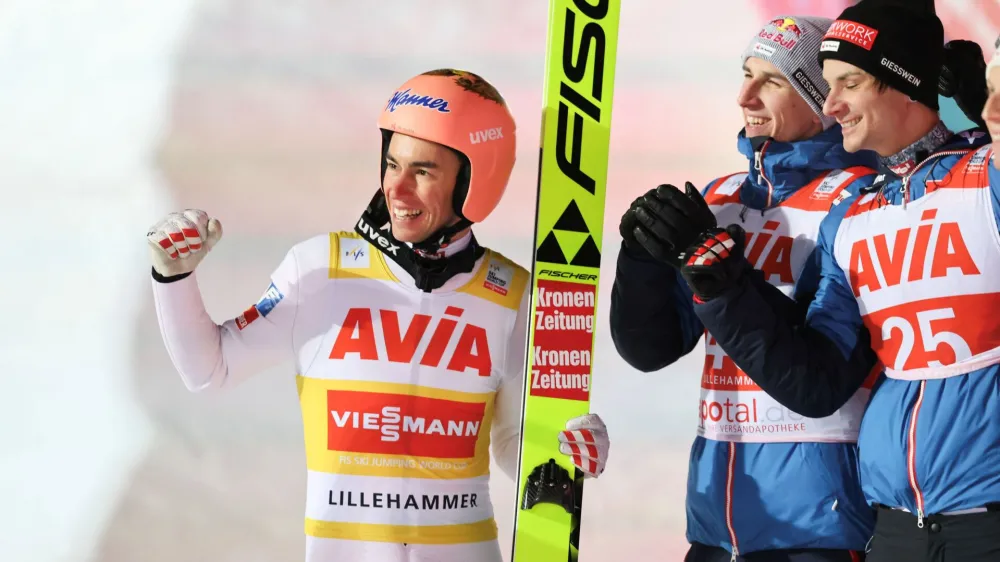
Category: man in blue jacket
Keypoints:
(909, 287)
(764, 484)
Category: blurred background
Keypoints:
(262, 112)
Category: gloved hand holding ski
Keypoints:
(586, 441)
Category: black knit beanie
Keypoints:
(900, 44)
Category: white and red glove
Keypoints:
(586, 442)
(181, 240)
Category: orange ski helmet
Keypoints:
(465, 113)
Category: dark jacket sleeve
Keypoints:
(810, 364)
(652, 316)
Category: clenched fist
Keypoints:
(181, 240)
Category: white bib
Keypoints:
(925, 276)
(733, 407)
(397, 393)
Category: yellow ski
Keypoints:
(573, 166)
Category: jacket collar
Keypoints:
(906, 160)
(779, 169)
(889, 182)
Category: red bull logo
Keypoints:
(787, 25)
(786, 33)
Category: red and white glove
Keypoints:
(586, 442)
(181, 240)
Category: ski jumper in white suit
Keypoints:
(402, 391)
(409, 357)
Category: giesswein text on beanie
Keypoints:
(901, 45)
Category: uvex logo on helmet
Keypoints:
(444, 106)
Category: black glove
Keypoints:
(665, 221)
(963, 78)
(715, 263)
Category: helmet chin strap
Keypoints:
(424, 261)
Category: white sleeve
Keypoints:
(210, 356)
(506, 432)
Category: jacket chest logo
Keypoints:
(771, 252)
(359, 332)
(932, 249)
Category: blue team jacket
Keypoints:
(784, 495)
(812, 367)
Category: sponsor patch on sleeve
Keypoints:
(272, 296)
